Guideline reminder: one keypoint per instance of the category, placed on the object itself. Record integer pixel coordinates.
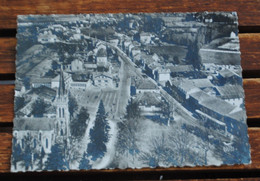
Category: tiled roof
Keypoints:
(146, 85)
(148, 99)
(231, 91)
(34, 124)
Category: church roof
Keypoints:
(43, 92)
(34, 124)
(41, 80)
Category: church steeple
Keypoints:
(61, 90)
(62, 111)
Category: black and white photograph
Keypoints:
(108, 91)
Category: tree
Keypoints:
(193, 55)
(185, 146)
(27, 156)
(41, 156)
(39, 108)
(159, 153)
(27, 152)
(17, 153)
(73, 105)
(54, 65)
(152, 24)
(78, 125)
(84, 162)
(180, 140)
(51, 73)
(56, 159)
(165, 108)
(19, 103)
(176, 146)
(128, 130)
(127, 138)
(176, 60)
(99, 134)
(132, 111)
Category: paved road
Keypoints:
(127, 63)
(124, 90)
(176, 107)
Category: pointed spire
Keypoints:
(61, 91)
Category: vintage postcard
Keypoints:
(105, 91)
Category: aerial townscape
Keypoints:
(99, 91)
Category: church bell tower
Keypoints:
(62, 110)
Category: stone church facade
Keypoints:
(43, 132)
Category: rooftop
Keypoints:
(231, 91)
(227, 73)
(34, 124)
(41, 80)
(201, 83)
(180, 68)
(43, 92)
(213, 103)
(146, 85)
(148, 99)
(80, 77)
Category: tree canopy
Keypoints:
(99, 134)
(56, 159)
(78, 125)
(39, 108)
(84, 162)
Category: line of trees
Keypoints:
(27, 155)
(127, 136)
(99, 134)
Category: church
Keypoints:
(42, 132)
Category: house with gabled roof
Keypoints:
(146, 86)
(103, 80)
(148, 102)
(101, 57)
(232, 94)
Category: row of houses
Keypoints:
(91, 62)
(78, 81)
(226, 106)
